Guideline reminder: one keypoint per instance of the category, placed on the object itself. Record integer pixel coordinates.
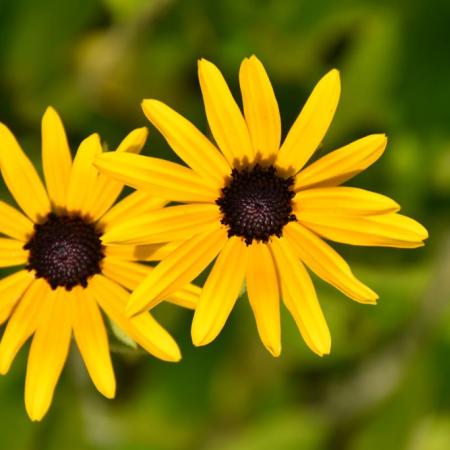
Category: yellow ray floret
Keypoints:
(253, 207)
(69, 275)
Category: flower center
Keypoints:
(65, 250)
(256, 203)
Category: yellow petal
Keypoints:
(264, 296)
(21, 177)
(12, 253)
(152, 252)
(326, 263)
(126, 273)
(48, 353)
(134, 141)
(343, 200)
(300, 298)
(130, 275)
(56, 157)
(13, 223)
(220, 292)
(142, 328)
(11, 289)
(175, 223)
(309, 129)
(83, 177)
(389, 230)
(92, 341)
(23, 322)
(179, 268)
(342, 164)
(107, 189)
(133, 205)
(224, 116)
(156, 176)
(260, 108)
(186, 297)
(192, 146)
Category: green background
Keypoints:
(386, 383)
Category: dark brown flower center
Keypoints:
(65, 250)
(256, 203)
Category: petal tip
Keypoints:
(334, 78)
(253, 58)
(5, 364)
(204, 64)
(274, 351)
(91, 139)
(50, 110)
(143, 131)
(175, 357)
(198, 336)
(34, 413)
(383, 138)
(335, 73)
(109, 392)
(149, 102)
(324, 352)
(424, 233)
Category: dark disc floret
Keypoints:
(65, 250)
(256, 203)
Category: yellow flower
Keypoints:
(69, 273)
(252, 202)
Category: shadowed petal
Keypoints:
(175, 223)
(131, 274)
(142, 328)
(136, 204)
(152, 252)
(179, 268)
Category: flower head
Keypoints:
(253, 204)
(69, 274)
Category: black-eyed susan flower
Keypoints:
(69, 275)
(253, 204)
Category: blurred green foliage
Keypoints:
(385, 384)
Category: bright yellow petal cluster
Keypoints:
(53, 316)
(190, 235)
(276, 269)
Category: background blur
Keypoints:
(386, 383)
